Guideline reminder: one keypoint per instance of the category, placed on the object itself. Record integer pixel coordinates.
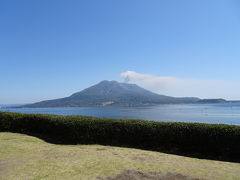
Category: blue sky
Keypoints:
(53, 48)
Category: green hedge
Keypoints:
(213, 140)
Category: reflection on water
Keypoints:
(227, 113)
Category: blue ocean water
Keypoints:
(226, 113)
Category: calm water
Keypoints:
(227, 113)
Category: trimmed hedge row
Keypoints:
(214, 140)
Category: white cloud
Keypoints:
(179, 87)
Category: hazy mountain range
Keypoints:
(113, 93)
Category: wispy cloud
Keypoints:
(175, 86)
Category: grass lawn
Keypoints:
(26, 157)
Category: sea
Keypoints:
(222, 113)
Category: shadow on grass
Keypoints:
(174, 151)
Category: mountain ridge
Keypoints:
(113, 93)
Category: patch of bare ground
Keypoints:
(140, 175)
(101, 149)
(5, 166)
(143, 158)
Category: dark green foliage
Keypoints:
(208, 140)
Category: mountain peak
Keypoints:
(113, 93)
(115, 84)
(107, 81)
(111, 82)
